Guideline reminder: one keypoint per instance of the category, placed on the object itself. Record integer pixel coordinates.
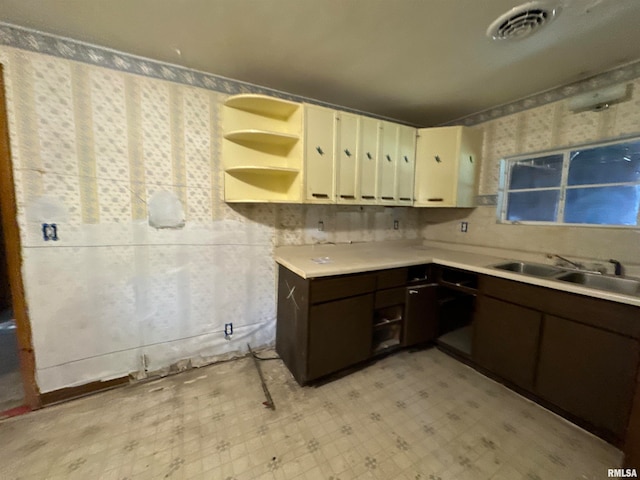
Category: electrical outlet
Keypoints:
(396, 224)
(228, 331)
(464, 226)
(49, 232)
(320, 226)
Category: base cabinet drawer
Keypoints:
(588, 372)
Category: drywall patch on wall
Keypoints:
(165, 210)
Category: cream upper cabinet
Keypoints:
(387, 159)
(405, 166)
(368, 160)
(347, 157)
(446, 166)
(319, 162)
(275, 150)
(262, 149)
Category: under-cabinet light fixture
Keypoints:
(598, 100)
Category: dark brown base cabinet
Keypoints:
(576, 354)
(331, 323)
(339, 334)
(505, 340)
(421, 315)
(588, 372)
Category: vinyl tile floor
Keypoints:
(409, 416)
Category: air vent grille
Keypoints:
(521, 21)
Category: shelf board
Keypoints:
(263, 105)
(459, 286)
(458, 340)
(265, 137)
(256, 170)
(253, 200)
(386, 345)
(386, 321)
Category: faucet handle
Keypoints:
(617, 266)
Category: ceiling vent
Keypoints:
(522, 21)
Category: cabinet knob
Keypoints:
(470, 159)
(406, 160)
(388, 158)
(347, 152)
(369, 156)
(437, 157)
(320, 151)
(413, 292)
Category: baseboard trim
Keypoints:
(69, 393)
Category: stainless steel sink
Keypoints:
(534, 269)
(625, 286)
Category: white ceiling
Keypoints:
(421, 61)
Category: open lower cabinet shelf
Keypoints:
(387, 321)
(386, 345)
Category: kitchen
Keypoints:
(91, 145)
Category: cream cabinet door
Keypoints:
(437, 166)
(405, 167)
(319, 147)
(387, 162)
(368, 159)
(470, 151)
(347, 157)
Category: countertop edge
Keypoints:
(423, 256)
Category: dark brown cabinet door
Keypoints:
(505, 340)
(421, 314)
(588, 372)
(339, 334)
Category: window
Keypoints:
(591, 185)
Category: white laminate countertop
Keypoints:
(312, 261)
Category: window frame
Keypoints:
(507, 163)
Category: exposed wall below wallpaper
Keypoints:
(542, 128)
(114, 296)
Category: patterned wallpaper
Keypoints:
(545, 127)
(552, 126)
(112, 295)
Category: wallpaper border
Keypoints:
(35, 41)
(57, 46)
(627, 72)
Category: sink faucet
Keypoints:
(577, 265)
(617, 266)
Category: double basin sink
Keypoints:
(624, 286)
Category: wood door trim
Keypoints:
(9, 218)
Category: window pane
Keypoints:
(603, 205)
(540, 206)
(608, 164)
(541, 172)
